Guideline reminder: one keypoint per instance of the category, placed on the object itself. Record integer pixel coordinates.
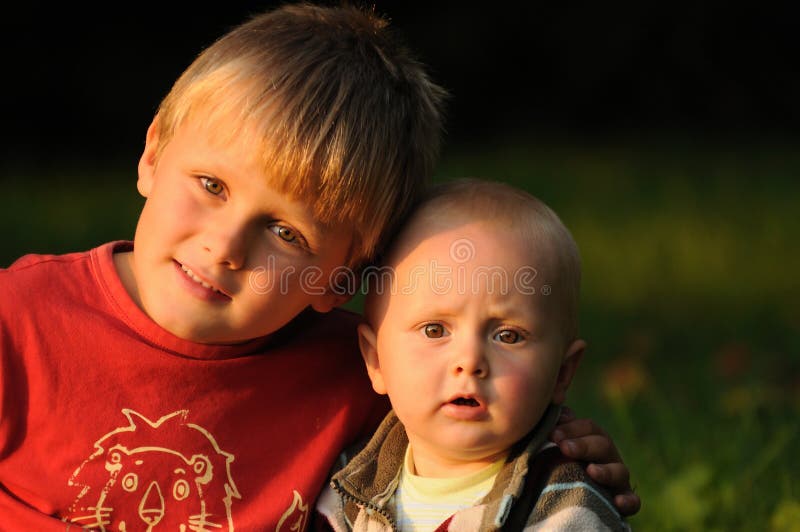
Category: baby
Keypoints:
(471, 329)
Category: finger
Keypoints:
(627, 503)
(615, 476)
(566, 415)
(594, 448)
(577, 428)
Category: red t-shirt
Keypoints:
(105, 418)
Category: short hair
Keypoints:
(535, 225)
(335, 105)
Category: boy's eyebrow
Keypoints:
(314, 234)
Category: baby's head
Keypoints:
(284, 153)
(472, 323)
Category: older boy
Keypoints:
(187, 381)
(473, 336)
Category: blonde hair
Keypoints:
(532, 225)
(332, 103)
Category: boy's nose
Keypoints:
(227, 246)
(470, 359)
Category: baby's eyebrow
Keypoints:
(513, 313)
(433, 309)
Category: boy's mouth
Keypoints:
(200, 281)
(189, 273)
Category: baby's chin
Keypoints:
(461, 454)
(449, 465)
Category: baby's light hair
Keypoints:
(335, 108)
(529, 222)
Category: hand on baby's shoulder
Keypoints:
(585, 441)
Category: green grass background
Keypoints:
(690, 303)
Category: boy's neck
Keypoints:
(123, 262)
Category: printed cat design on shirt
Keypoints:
(162, 475)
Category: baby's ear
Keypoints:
(368, 342)
(569, 365)
(147, 162)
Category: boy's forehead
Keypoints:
(225, 132)
(227, 154)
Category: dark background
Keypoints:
(80, 82)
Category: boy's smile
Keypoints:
(211, 225)
(200, 286)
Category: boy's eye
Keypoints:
(212, 185)
(508, 336)
(434, 330)
(287, 234)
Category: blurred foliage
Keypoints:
(66, 211)
(690, 304)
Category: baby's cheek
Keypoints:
(528, 397)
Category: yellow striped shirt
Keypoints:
(423, 503)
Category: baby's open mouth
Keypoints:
(465, 401)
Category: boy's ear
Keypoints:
(572, 358)
(147, 162)
(368, 342)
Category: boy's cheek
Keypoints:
(270, 268)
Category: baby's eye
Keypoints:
(508, 336)
(212, 185)
(434, 330)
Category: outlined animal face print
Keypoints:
(147, 476)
